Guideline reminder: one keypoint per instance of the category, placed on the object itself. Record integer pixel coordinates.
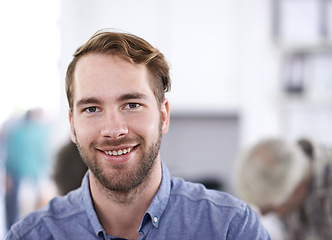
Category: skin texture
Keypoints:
(115, 109)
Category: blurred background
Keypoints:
(241, 71)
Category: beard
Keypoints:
(122, 180)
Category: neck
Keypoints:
(121, 213)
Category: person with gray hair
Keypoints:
(283, 180)
(270, 173)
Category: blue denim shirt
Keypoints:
(179, 210)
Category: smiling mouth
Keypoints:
(118, 152)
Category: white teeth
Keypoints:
(119, 152)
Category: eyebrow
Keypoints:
(124, 97)
(135, 95)
(86, 101)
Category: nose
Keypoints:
(114, 126)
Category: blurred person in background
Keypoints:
(118, 113)
(26, 162)
(69, 168)
(290, 185)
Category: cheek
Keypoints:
(145, 126)
(84, 131)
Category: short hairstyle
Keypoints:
(269, 172)
(130, 47)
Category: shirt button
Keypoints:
(155, 219)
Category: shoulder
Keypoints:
(220, 212)
(197, 193)
(58, 212)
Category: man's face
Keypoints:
(116, 121)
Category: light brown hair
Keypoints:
(132, 48)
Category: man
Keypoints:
(290, 181)
(118, 114)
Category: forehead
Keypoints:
(109, 75)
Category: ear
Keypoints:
(72, 131)
(165, 116)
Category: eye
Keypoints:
(91, 109)
(132, 106)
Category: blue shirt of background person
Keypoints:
(27, 156)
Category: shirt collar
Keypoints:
(87, 200)
(160, 200)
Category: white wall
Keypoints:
(260, 74)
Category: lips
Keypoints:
(117, 152)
